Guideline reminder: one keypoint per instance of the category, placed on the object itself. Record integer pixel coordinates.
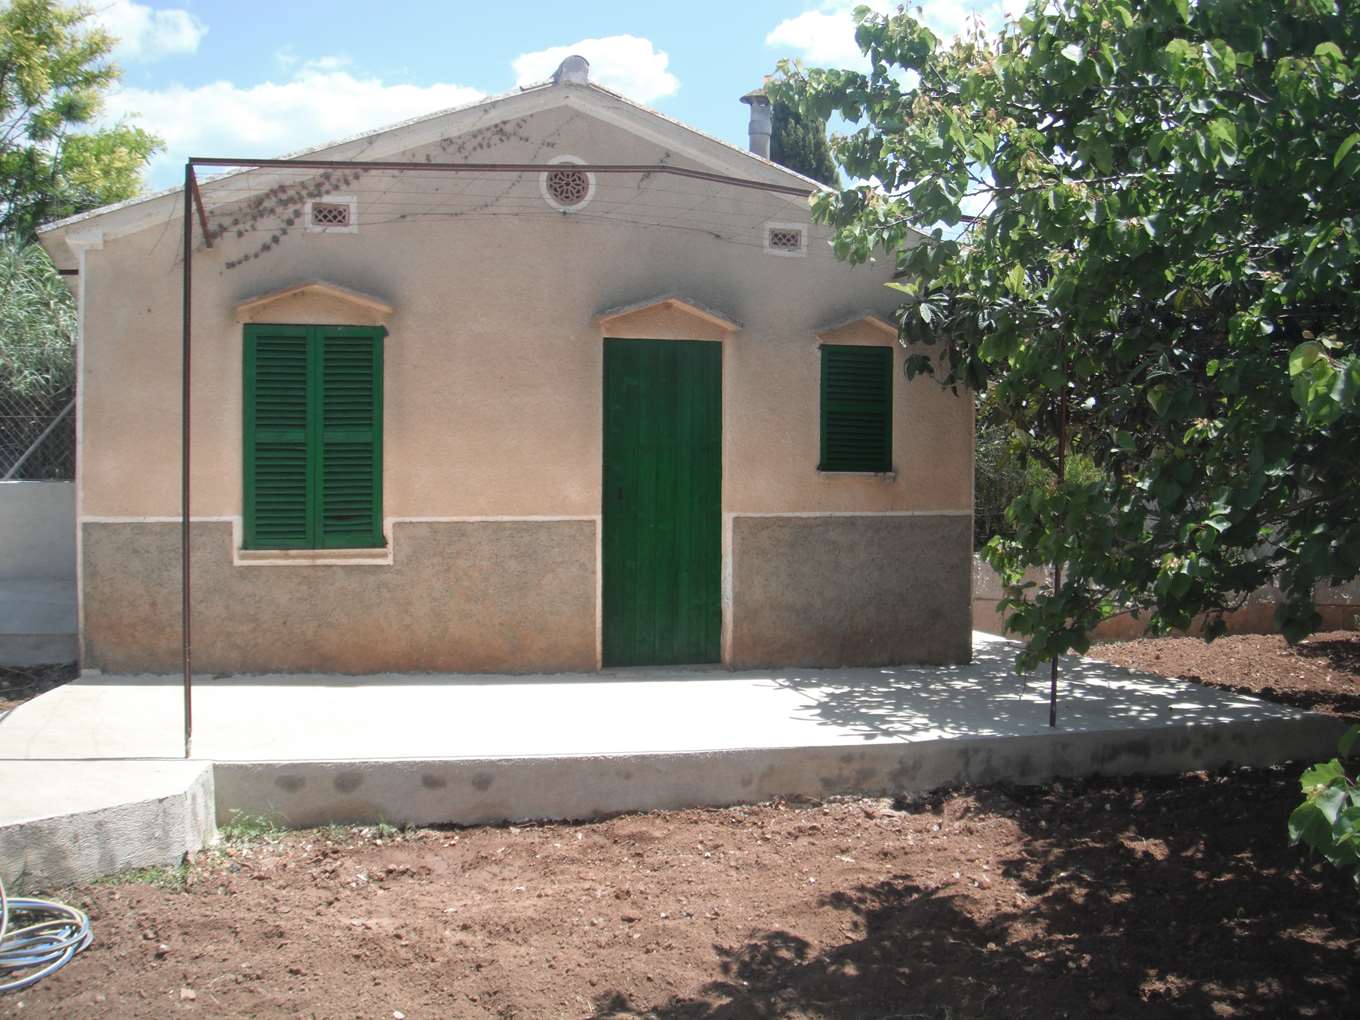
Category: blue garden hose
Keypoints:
(45, 938)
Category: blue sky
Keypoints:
(254, 78)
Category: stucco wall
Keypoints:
(492, 404)
(493, 363)
(853, 589)
(38, 530)
(459, 596)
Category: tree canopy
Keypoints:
(1143, 221)
(54, 162)
(799, 143)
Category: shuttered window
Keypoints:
(856, 408)
(313, 437)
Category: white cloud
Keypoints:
(145, 34)
(826, 36)
(320, 103)
(625, 63)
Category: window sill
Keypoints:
(313, 557)
(886, 476)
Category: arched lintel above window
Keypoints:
(861, 327)
(315, 302)
(666, 317)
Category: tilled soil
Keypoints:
(19, 683)
(1321, 673)
(1147, 898)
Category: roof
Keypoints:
(145, 210)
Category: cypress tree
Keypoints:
(799, 143)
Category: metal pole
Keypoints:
(504, 168)
(185, 620)
(1057, 562)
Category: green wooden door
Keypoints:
(662, 546)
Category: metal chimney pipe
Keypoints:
(760, 127)
(575, 69)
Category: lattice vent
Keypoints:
(785, 240)
(330, 214)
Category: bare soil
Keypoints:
(20, 683)
(1321, 674)
(1149, 898)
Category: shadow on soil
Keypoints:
(1124, 909)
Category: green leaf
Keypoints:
(1308, 825)
(1302, 357)
(1330, 802)
(1179, 51)
(1348, 740)
(1159, 397)
(1322, 775)
(1344, 148)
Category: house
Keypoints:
(490, 421)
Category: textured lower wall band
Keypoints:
(500, 596)
(520, 597)
(851, 590)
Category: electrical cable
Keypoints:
(47, 938)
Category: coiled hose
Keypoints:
(48, 935)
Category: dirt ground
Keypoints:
(1145, 897)
(1321, 673)
(1148, 898)
(19, 683)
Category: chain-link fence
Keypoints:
(38, 435)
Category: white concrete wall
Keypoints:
(37, 530)
(1338, 605)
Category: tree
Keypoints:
(799, 143)
(54, 73)
(1161, 265)
(37, 323)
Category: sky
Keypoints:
(257, 78)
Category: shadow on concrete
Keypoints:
(987, 698)
(1127, 910)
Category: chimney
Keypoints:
(575, 69)
(760, 127)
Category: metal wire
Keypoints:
(48, 938)
(37, 433)
(251, 217)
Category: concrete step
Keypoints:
(66, 822)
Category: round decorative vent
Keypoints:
(567, 189)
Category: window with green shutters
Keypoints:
(313, 437)
(856, 408)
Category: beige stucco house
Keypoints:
(533, 421)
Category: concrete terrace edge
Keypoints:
(61, 850)
(478, 791)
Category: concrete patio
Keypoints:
(473, 749)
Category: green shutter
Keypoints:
(277, 465)
(856, 408)
(349, 510)
(313, 437)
